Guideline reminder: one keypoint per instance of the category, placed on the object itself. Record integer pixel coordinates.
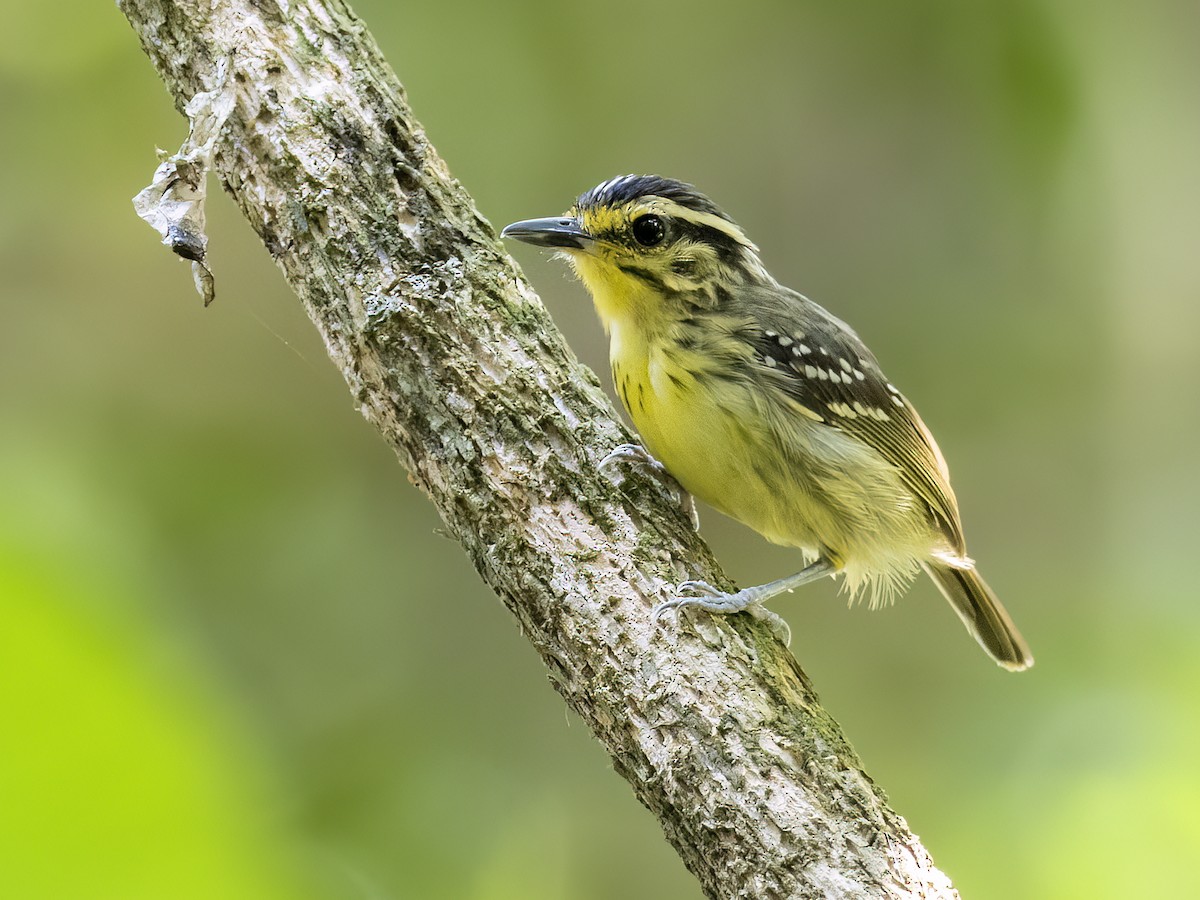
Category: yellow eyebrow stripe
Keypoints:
(709, 220)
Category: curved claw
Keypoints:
(702, 589)
(707, 597)
(703, 592)
(778, 625)
(634, 453)
(661, 608)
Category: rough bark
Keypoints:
(451, 355)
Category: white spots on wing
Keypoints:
(857, 409)
(822, 374)
(789, 342)
(843, 410)
(845, 373)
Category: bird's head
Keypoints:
(642, 242)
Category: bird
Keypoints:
(765, 406)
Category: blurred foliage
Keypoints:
(1001, 196)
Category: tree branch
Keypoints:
(452, 356)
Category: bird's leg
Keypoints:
(709, 598)
(637, 455)
(703, 595)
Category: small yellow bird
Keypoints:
(765, 406)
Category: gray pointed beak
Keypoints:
(559, 232)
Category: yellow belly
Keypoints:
(694, 429)
(763, 460)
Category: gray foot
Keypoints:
(704, 596)
(636, 455)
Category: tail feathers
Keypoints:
(983, 615)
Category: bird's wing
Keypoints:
(828, 370)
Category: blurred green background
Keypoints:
(1002, 197)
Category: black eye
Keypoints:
(649, 230)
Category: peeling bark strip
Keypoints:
(452, 356)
